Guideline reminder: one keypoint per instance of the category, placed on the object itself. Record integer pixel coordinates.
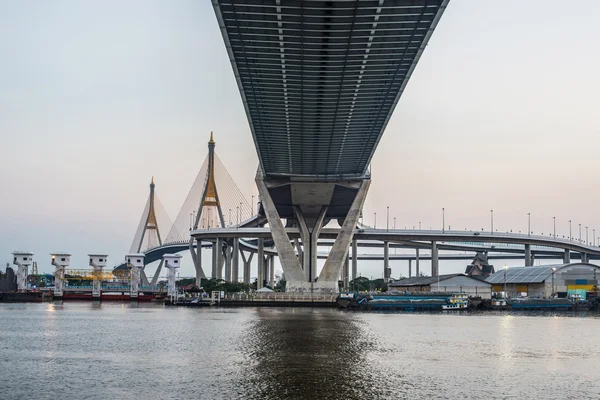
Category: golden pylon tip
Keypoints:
(211, 141)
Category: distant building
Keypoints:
(542, 281)
(480, 266)
(9, 282)
(444, 283)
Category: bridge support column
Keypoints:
(346, 272)
(386, 261)
(235, 261)
(417, 263)
(219, 249)
(247, 265)
(354, 259)
(567, 256)
(287, 256)
(197, 259)
(272, 271)
(300, 252)
(261, 263)
(214, 260)
(585, 258)
(339, 251)
(528, 258)
(228, 256)
(410, 268)
(309, 233)
(435, 261)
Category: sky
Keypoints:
(97, 97)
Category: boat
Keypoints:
(458, 301)
(525, 303)
(404, 301)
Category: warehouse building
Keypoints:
(542, 281)
(444, 283)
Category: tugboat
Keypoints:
(459, 301)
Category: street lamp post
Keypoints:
(492, 220)
(252, 204)
(229, 217)
(394, 223)
(419, 225)
(528, 224)
(375, 220)
(387, 219)
(570, 231)
(579, 233)
(554, 221)
(586, 236)
(443, 219)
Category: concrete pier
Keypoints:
(567, 256)
(261, 263)
(435, 261)
(354, 259)
(416, 262)
(214, 260)
(528, 258)
(386, 260)
(235, 261)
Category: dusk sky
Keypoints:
(96, 97)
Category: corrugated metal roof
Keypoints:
(524, 274)
(320, 79)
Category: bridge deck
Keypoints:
(320, 79)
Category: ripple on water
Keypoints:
(108, 351)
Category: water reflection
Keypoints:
(306, 354)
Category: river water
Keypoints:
(122, 351)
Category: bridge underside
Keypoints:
(320, 79)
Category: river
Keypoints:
(122, 351)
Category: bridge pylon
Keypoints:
(209, 215)
(148, 234)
